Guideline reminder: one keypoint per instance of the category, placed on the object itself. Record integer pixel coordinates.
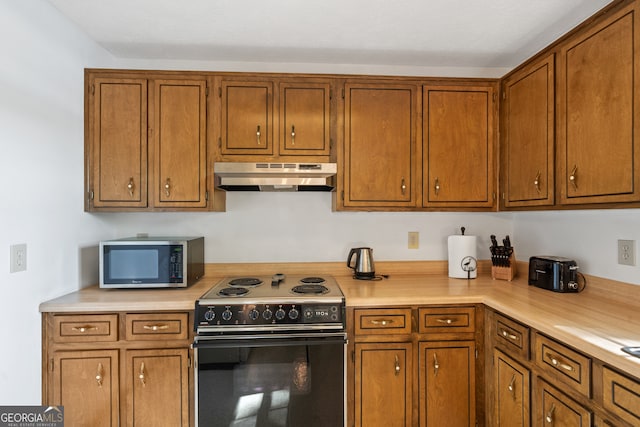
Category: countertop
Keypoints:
(598, 321)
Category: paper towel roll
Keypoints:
(459, 248)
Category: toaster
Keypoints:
(553, 273)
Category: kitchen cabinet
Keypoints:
(381, 160)
(528, 135)
(512, 392)
(118, 368)
(147, 144)
(458, 138)
(555, 408)
(598, 111)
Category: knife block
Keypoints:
(505, 273)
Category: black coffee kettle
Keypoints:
(361, 261)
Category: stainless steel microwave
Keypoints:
(151, 262)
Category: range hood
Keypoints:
(245, 176)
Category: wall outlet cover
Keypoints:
(627, 252)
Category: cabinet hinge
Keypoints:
(476, 353)
(342, 195)
(219, 92)
(206, 195)
(495, 96)
(51, 365)
(189, 362)
(206, 91)
(92, 89)
(91, 195)
(342, 93)
(330, 93)
(494, 195)
(353, 356)
(504, 94)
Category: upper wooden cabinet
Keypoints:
(381, 161)
(147, 146)
(599, 112)
(458, 137)
(528, 136)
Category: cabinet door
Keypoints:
(383, 386)
(512, 392)
(554, 408)
(86, 384)
(380, 159)
(180, 158)
(117, 159)
(247, 117)
(447, 384)
(157, 387)
(458, 126)
(304, 118)
(529, 135)
(598, 121)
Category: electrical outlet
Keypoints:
(627, 252)
(18, 255)
(413, 240)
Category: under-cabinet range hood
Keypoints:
(245, 176)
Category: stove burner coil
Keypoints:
(314, 280)
(233, 292)
(310, 289)
(245, 282)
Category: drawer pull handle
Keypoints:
(549, 417)
(142, 376)
(446, 321)
(403, 186)
(293, 135)
(258, 135)
(157, 327)
(512, 385)
(382, 322)
(436, 187)
(573, 177)
(506, 334)
(84, 328)
(167, 187)
(99, 374)
(130, 187)
(536, 182)
(397, 366)
(436, 365)
(556, 362)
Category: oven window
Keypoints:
(274, 386)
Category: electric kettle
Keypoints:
(362, 265)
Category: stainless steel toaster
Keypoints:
(554, 273)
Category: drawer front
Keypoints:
(383, 321)
(143, 326)
(621, 396)
(85, 328)
(512, 336)
(447, 319)
(564, 364)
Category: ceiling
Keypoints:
(425, 33)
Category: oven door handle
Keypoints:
(269, 340)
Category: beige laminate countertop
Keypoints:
(598, 321)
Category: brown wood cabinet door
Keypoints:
(447, 384)
(598, 121)
(304, 118)
(157, 387)
(180, 143)
(247, 117)
(512, 382)
(118, 143)
(458, 126)
(554, 408)
(383, 386)
(86, 384)
(529, 135)
(380, 159)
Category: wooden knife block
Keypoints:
(505, 273)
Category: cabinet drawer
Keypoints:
(86, 327)
(511, 336)
(621, 396)
(144, 326)
(383, 321)
(446, 319)
(562, 363)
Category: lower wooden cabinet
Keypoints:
(552, 407)
(512, 391)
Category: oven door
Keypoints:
(270, 380)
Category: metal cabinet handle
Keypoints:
(512, 386)
(141, 375)
(130, 187)
(84, 328)
(446, 321)
(536, 182)
(573, 177)
(167, 187)
(403, 186)
(397, 366)
(436, 365)
(549, 417)
(506, 334)
(436, 187)
(156, 327)
(381, 322)
(99, 374)
(557, 362)
(258, 135)
(293, 135)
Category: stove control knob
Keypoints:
(209, 315)
(254, 314)
(227, 315)
(280, 314)
(293, 314)
(267, 314)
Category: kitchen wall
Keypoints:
(41, 185)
